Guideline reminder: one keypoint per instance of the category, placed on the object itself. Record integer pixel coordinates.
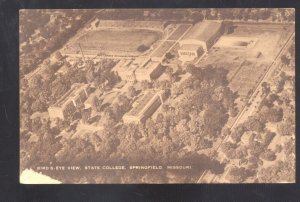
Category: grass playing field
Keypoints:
(116, 41)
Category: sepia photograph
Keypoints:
(157, 96)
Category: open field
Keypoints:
(111, 41)
(247, 78)
(247, 64)
(230, 62)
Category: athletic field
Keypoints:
(115, 42)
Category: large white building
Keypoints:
(201, 36)
(189, 51)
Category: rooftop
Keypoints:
(122, 65)
(70, 94)
(131, 65)
(142, 102)
(203, 30)
(147, 67)
(190, 47)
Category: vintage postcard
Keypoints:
(133, 96)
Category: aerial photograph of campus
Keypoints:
(133, 96)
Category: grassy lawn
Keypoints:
(117, 40)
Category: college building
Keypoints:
(201, 36)
(145, 106)
(190, 51)
(149, 71)
(66, 105)
(138, 70)
(125, 69)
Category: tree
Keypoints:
(265, 88)
(24, 83)
(253, 160)
(45, 95)
(175, 90)
(237, 133)
(292, 50)
(36, 124)
(226, 131)
(163, 85)
(150, 124)
(256, 148)
(225, 147)
(272, 115)
(124, 102)
(289, 147)
(58, 55)
(25, 122)
(159, 118)
(254, 124)
(281, 171)
(169, 55)
(85, 115)
(285, 60)
(285, 129)
(38, 106)
(142, 48)
(197, 17)
(268, 137)
(48, 74)
(96, 104)
(145, 84)
(90, 75)
(278, 148)
(236, 174)
(36, 82)
(194, 71)
(78, 77)
(117, 111)
(241, 152)
(131, 91)
(233, 111)
(107, 120)
(214, 119)
(169, 71)
(204, 143)
(268, 155)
